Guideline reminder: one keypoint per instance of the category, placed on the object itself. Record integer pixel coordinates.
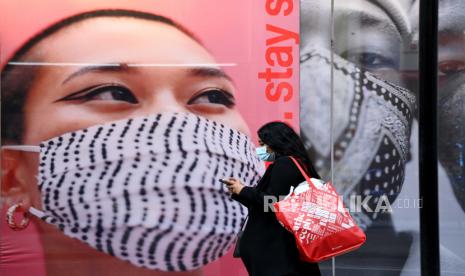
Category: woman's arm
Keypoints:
(283, 175)
(241, 200)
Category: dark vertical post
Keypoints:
(429, 214)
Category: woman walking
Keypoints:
(267, 249)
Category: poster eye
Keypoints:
(370, 60)
(110, 92)
(213, 96)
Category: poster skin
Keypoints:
(248, 47)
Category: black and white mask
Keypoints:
(371, 128)
(146, 189)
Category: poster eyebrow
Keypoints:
(209, 72)
(104, 67)
(199, 70)
(370, 20)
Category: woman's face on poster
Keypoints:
(451, 93)
(451, 39)
(365, 34)
(107, 69)
(367, 42)
(451, 89)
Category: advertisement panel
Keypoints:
(118, 119)
(364, 135)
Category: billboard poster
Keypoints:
(369, 115)
(118, 119)
(372, 156)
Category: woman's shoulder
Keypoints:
(283, 161)
(283, 158)
(280, 163)
(287, 163)
(285, 166)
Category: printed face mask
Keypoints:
(371, 129)
(146, 190)
(451, 136)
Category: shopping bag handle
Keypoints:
(302, 171)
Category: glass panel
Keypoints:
(369, 108)
(451, 135)
(315, 82)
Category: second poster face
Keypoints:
(364, 135)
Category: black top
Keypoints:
(267, 249)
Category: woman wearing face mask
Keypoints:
(124, 144)
(266, 247)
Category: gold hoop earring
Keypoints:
(10, 219)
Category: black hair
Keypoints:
(284, 141)
(16, 80)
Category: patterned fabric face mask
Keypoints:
(371, 129)
(146, 190)
(451, 136)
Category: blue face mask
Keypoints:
(264, 155)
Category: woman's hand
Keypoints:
(234, 185)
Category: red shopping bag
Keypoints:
(322, 226)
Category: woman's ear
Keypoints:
(14, 187)
(269, 149)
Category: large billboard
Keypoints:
(118, 120)
(359, 84)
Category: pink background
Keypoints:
(234, 31)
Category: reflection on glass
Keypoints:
(451, 132)
(371, 112)
(451, 135)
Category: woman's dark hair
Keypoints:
(284, 141)
(17, 79)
